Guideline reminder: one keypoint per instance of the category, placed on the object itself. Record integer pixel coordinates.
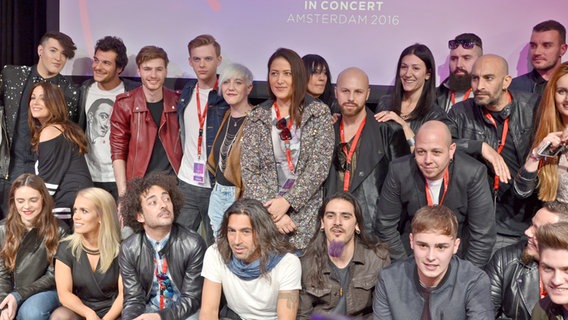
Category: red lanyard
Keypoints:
(201, 116)
(446, 182)
(542, 290)
(347, 175)
(503, 137)
(453, 96)
(286, 142)
(158, 278)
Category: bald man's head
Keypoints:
(433, 149)
(489, 80)
(352, 91)
(435, 128)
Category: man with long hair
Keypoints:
(160, 264)
(252, 265)
(338, 259)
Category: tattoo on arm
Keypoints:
(292, 298)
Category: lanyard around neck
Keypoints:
(503, 136)
(286, 141)
(446, 183)
(349, 154)
(201, 116)
(453, 96)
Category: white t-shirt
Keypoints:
(254, 299)
(435, 186)
(191, 128)
(98, 109)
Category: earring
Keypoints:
(321, 229)
(357, 231)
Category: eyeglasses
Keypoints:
(165, 284)
(340, 158)
(285, 133)
(466, 44)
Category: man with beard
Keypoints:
(161, 262)
(513, 270)
(546, 48)
(464, 51)
(252, 265)
(437, 174)
(339, 258)
(364, 147)
(496, 128)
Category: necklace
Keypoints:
(89, 251)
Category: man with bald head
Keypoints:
(495, 126)
(437, 174)
(364, 147)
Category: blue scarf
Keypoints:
(251, 271)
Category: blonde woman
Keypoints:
(87, 276)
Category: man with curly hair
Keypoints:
(161, 262)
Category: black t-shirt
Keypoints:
(341, 275)
(158, 160)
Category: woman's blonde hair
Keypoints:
(109, 231)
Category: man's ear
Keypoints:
(140, 217)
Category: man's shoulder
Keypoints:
(466, 272)
(463, 160)
(399, 270)
(14, 69)
(508, 255)
(127, 95)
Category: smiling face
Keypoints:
(86, 218)
(157, 209)
(235, 90)
(561, 97)
(38, 108)
(546, 50)
(542, 217)
(413, 73)
(153, 74)
(433, 253)
(51, 58)
(280, 79)
(433, 150)
(242, 238)
(29, 203)
(553, 270)
(104, 66)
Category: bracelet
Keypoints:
(534, 155)
(410, 142)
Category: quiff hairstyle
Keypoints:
(204, 40)
(439, 219)
(552, 236)
(148, 53)
(64, 41)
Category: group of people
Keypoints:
(302, 202)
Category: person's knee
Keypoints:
(63, 313)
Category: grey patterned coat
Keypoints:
(260, 177)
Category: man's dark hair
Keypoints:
(318, 244)
(266, 235)
(64, 40)
(472, 37)
(549, 25)
(110, 43)
(131, 204)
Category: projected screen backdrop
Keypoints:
(367, 34)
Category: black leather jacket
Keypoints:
(514, 283)
(184, 252)
(33, 273)
(468, 196)
(470, 128)
(379, 144)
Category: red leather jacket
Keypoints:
(133, 131)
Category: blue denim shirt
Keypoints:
(215, 113)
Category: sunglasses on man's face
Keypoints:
(466, 44)
(285, 133)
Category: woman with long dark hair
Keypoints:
(286, 149)
(60, 146)
(413, 101)
(29, 237)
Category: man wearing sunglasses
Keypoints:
(161, 262)
(546, 48)
(364, 147)
(434, 175)
(464, 51)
